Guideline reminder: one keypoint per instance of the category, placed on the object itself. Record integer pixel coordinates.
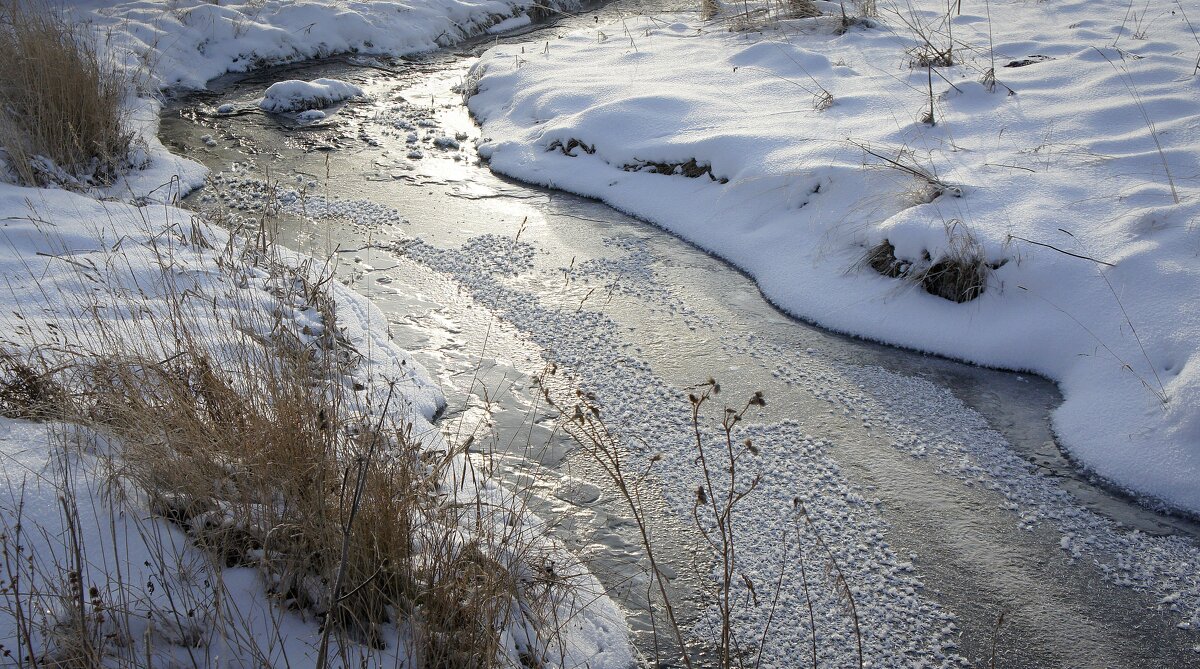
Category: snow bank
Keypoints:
(187, 42)
(1069, 178)
(295, 95)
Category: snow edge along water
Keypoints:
(798, 195)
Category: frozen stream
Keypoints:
(938, 484)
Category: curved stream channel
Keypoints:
(938, 484)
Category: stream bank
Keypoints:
(940, 483)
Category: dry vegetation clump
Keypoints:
(956, 279)
(752, 16)
(25, 393)
(882, 258)
(344, 514)
(260, 443)
(959, 274)
(689, 168)
(799, 9)
(61, 120)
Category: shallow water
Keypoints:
(638, 317)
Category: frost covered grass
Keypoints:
(62, 120)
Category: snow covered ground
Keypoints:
(1054, 147)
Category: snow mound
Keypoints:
(296, 95)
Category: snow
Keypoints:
(510, 24)
(303, 96)
(163, 176)
(185, 43)
(1063, 151)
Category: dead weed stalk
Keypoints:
(726, 479)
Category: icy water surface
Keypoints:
(938, 485)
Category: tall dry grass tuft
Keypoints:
(61, 120)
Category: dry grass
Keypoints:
(905, 161)
(959, 274)
(62, 119)
(798, 9)
(260, 444)
(25, 393)
(748, 16)
(307, 495)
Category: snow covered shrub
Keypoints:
(61, 118)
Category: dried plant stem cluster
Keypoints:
(727, 477)
(62, 120)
